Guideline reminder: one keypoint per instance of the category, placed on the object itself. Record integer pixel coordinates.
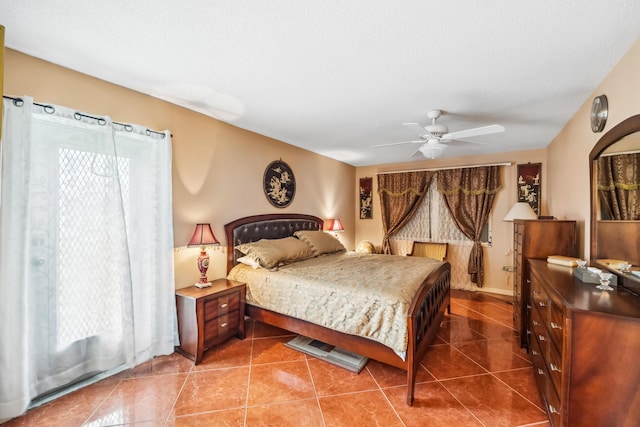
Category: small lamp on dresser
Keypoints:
(203, 236)
(521, 210)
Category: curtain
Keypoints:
(469, 195)
(618, 186)
(400, 197)
(86, 249)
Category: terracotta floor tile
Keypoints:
(493, 355)
(139, 400)
(522, 381)
(270, 350)
(280, 382)
(233, 353)
(369, 408)
(458, 331)
(446, 361)
(227, 418)
(492, 402)
(329, 379)
(433, 406)
(174, 363)
(260, 382)
(388, 376)
(301, 413)
(213, 390)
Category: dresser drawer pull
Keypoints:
(541, 338)
(540, 372)
(536, 292)
(535, 353)
(541, 304)
(554, 367)
(528, 307)
(528, 332)
(224, 325)
(535, 322)
(554, 410)
(224, 305)
(554, 325)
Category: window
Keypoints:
(433, 222)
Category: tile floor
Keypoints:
(474, 375)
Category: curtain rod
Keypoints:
(49, 109)
(446, 168)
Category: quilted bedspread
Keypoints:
(360, 294)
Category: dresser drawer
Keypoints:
(220, 326)
(223, 304)
(554, 363)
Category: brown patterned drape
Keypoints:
(400, 196)
(469, 195)
(619, 187)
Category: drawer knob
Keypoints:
(541, 304)
(535, 322)
(554, 325)
(542, 338)
(224, 305)
(535, 353)
(540, 372)
(554, 367)
(224, 325)
(554, 410)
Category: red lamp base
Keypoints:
(203, 266)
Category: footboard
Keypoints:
(425, 316)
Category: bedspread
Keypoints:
(360, 294)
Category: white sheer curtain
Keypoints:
(86, 249)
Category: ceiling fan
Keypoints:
(436, 137)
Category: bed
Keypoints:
(422, 317)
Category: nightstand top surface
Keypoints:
(218, 285)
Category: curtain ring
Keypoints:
(18, 102)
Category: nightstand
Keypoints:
(209, 316)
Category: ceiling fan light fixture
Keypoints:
(431, 152)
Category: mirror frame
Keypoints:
(622, 129)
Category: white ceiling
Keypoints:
(337, 76)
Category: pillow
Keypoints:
(320, 242)
(247, 260)
(270, 253)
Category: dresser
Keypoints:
(585, 346)
(209, 316)
(536, 239)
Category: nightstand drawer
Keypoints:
(221, 305)
(220, 326)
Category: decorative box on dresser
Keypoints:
(585, 348)
(209, 316)
(536, 239)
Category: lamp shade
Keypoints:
(203, 235)
(521, 210)
(336, 225)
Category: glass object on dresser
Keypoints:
(615, 203)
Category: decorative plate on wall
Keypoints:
(279, 184)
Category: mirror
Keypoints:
(614, 167)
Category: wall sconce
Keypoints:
(203, 236)
(336, 226)
(521, 210)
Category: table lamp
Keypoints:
(203, 236)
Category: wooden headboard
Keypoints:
(268, 226)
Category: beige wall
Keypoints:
(568, 153)
(217, 168)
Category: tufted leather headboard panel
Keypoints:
(269, 226)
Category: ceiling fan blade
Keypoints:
(418, 129)
(459, 142)
(398, 143)
(484, 130)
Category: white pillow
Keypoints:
(247, 260)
